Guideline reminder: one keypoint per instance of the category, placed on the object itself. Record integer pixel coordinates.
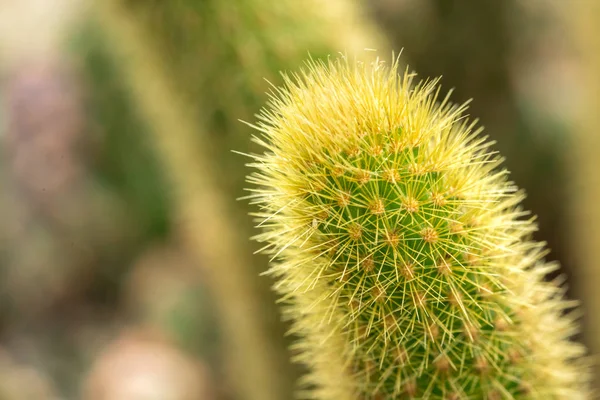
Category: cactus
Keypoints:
(402, 255)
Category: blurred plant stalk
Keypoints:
(585, 164)
(194, 69)
(200, 206)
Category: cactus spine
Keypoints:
(401, 252)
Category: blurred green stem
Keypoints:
(585, 168)
(200, 207)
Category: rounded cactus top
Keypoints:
(400, 249)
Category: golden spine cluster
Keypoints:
(402, 255)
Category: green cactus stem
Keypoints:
(401, 252)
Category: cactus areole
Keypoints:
(400, 251)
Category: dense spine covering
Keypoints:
(401, 252)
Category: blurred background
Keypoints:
(126, 269)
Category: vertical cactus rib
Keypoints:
(401, 251)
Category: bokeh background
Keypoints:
(126, 269)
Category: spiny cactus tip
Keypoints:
(400, 246)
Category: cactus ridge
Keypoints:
(401, 252)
